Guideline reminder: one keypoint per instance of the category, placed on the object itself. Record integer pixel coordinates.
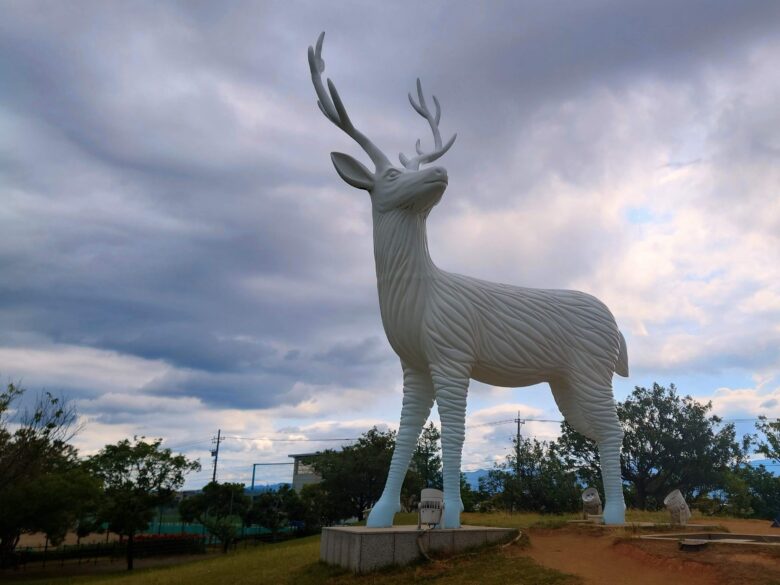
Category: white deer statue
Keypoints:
(447, 328)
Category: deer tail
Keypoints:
(621, 367)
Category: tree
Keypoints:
(670, 442)
(43, 486)
(470, 498)
(769, 447)
(532, 477)
(425, 468)
(276, 509)
(40, 434)
(734, 498)
(763, 486)
(137, 477)
(425, 471)
(764, 490)
(295, 508)
(318, 509)
(220, 507)
(426, 459)
(268, 511)
(354, 477)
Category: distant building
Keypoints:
(303, 473)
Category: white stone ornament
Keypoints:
(448, 329)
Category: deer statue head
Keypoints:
(406, 187)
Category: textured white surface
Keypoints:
(448, 328)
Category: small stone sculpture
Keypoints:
(448, 328)
(591, 503)
(678, 508)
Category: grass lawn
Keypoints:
(297, 562)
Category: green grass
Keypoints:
(504, 520)
(296, 562)
(520, 520)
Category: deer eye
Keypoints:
(392, 173)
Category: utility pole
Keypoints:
(520, 422)
(215, 453)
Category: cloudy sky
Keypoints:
(177, 254)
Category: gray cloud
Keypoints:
(167, 192)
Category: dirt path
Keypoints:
(747, 526)
(599, 561)
(601, 556)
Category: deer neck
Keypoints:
(401, 247)
(404, 274)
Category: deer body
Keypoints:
(448, 329)
(422, 305)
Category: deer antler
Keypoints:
(334, 108)
(433, 120)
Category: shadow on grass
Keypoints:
(493, 565)
(316, 573)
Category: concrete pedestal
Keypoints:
(364, 549)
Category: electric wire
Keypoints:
(472, 426)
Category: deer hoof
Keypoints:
(451, 516)
(615, 514)
(381, 515)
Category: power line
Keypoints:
(514, 420)
(187, 445)
(318, 440)
(286, 440)
(272, 439)
(490, 424)
(552, 420)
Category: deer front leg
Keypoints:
(451, 391)
(418, 400)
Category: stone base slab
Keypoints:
(362, 549)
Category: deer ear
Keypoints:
(352, 171)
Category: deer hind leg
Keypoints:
(451, 391)
(417, 403)
(589, 407)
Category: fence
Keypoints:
(197, 528)
(171, 539)
(144, 546)
(161, 538)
